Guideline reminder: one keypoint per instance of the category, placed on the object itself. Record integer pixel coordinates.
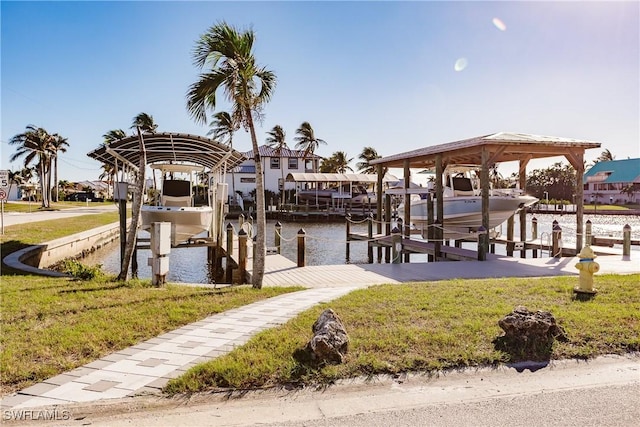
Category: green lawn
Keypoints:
(430, 326)
(36, 206)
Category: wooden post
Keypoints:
(534, 234)
(587, 233)
(348, 245)
(396, 246)
(522, 183)
(510, 225)
(242, 256)
(122, 213)
(406, 221)
(387, 225)
(482, 233)
(626, 241)
(430, 225)
(438, 241)
(301, 248)
(278, 236)
(484, 186)
(557, 241)
(370, 239)
(229, 276)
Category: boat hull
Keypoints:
(463, 215)
(186, 222)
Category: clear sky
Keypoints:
(396, 76)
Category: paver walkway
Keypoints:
(148, 366)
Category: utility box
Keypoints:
(120, 190)
(161, 238)
(159, 266)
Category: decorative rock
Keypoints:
(529, 335)
(330, 341)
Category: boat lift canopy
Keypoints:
(338, 177)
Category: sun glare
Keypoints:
(499, 24)
(461, 64)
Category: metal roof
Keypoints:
(267, 151)
(169, 147)
(503, 147)
(338, 177)
(625, 171)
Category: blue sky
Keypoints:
(380, 74)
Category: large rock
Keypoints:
(330, 341)
(529, 335)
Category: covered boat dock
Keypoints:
(485, 151)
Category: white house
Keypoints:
(275, 168)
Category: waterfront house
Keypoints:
(605, 182)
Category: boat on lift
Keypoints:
(462, 203)
(175, 202)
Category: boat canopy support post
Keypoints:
(439, 231)
(406, 221)
(483, 239)
(522, 184)
(577, 161)
(379, 214)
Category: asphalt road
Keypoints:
(600, 392)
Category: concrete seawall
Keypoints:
(34, 259)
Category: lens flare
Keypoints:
(461, 64)
(499, 24)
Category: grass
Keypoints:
(15, 206)
(429, 326)
(51, 325)
(20, 236)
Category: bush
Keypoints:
(79, 270)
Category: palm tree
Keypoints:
(307, 141)
(340, 163)
(36, 144)
(59, 144)
(113, 135)
(14, 178)
(223, 128)
(144, 122)
(276, 140)
(605, 156)
(367, 155)
(227, 55)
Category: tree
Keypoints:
(558, 181)
(307, 141)
(14, 178)
(605, 156)
(35, 144)
(630, 190)
(367, 155)
(277, 141)
(113, 135)
(337, 163)
(144, 122)
(227, 55)
(59, 144)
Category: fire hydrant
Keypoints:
(588, 267)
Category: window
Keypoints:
(275, 163)
(293, 163)
(248, 180)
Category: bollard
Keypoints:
(587, 232)
(370, 239)
(557, 241)
(240, 221)
(396, 246)
(277, 236)
(348, 245)
(510, 243)
(229, 272)
(534, 234)
(482, 234)
(438, 239)
(242, 256)
(301, 247)
(626, 241)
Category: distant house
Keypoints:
(274, 167)
(605, 181)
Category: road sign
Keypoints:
(3, 194)
(4, 179)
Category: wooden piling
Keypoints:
(348, 245)
(277, 237)
(626, 241)
(370, 239)
(557, 241)
(301, 247)
(510, 244)
(587, 233)
(242, 255)
(534, 234)
(229, 272)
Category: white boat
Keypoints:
(462, 203)
(175, 203)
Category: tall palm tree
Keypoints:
(36, 145)
(307, 141)
(15, 178)
(226, 54)
(366, 156)
(341, 162)
(145, 123)
(59, 144)
(277, 141)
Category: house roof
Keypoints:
(266, 151)
(614, 171)
(168, 147)
(502, 147)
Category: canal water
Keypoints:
(326, 244)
